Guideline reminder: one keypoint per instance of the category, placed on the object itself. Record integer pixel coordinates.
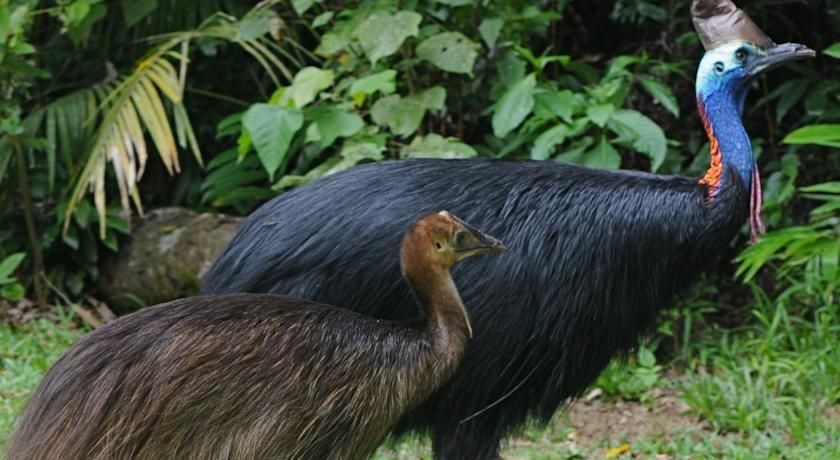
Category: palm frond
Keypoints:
(147, 101)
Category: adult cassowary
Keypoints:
(593, 257)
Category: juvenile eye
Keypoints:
(741, 55)
(719, 67)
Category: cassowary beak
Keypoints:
(777, 55)
(470, 242)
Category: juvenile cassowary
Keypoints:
(255, 376)
(594, 255)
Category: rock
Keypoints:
(170, 251)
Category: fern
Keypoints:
(109, 123)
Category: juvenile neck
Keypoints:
(729, 143)
(444, 315)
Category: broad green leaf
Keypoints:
(575, 154)
(661, 94)
(358, 151)
(81, 30)
(646, 357)
(9, 265)
(135, 10)
(271, 129)
(618, 66)
(833, 51)
(296, 180)
(339, 37)
(514, 106)
(301, 6)
(544, 59)
(790, 93)
(333, 122)
(351, 154)
(489, 30)
(278, 97)
(13, 292)
(382, 33)
(255, 25)
(75, 13)
(404, 115)
(600, 114)
(603, 156)
(5, 20)
(645, 136)
(433, 98)
(322, 19)
(455, 2)
(558, 103)
(21, 48)
(437, 146)
(825, 187)
(824, 134)
(545, 142)
(307, 84)
(383, 82)
(510, 68)
(449, 51)
(401, 116)
(243, 143)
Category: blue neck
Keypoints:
(724, 106)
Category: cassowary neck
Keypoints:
(730, 146)
(443, 310)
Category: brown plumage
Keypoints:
(255, 376)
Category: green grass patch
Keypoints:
(26, 354)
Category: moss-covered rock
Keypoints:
(169, 252)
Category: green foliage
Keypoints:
(10, 288)
(381, 34)
(449, 51)
(827, 135)
(514, 106)
(27, 354)
(113, 84)
(634, 379)
(270, 128)
(777, 375)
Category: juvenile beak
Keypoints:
(473, 242)
(776, 56)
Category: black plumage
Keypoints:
(593, 257)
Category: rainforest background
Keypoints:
(113, 107)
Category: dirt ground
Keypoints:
(597, 421)
(593, 427)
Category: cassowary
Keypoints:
(256, 376)
(594, 255)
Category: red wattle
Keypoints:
(756, 221)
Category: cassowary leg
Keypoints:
(466, 441)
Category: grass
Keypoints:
(769, 389)
(26, 354)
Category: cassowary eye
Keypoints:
(741, 55)
(719, 67)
